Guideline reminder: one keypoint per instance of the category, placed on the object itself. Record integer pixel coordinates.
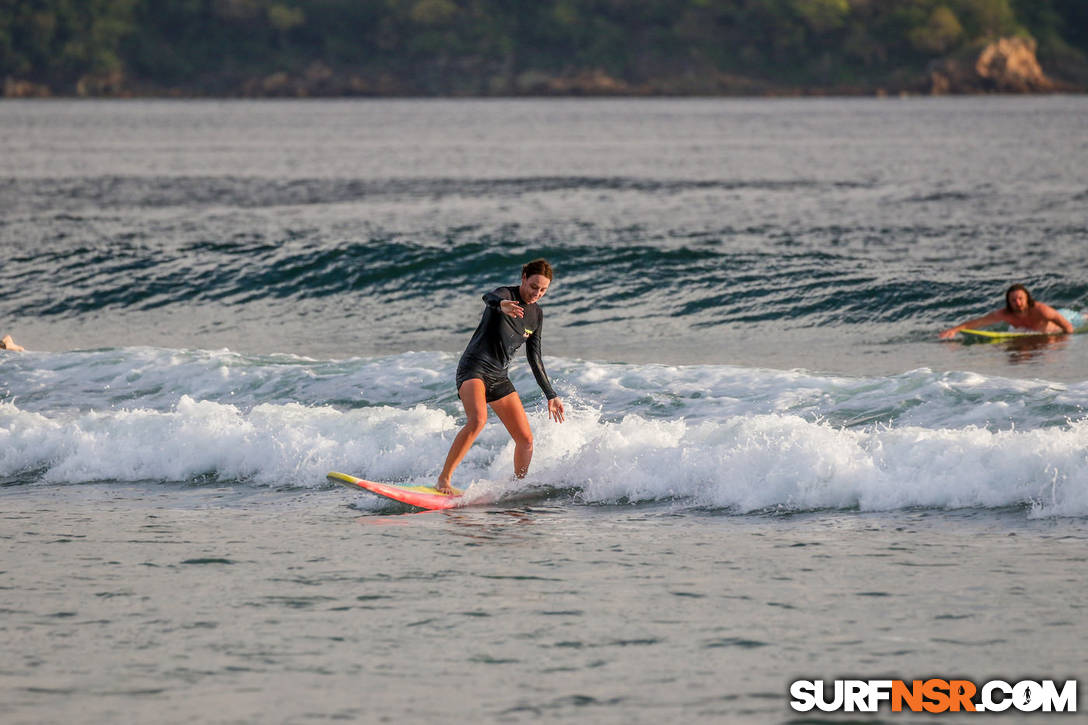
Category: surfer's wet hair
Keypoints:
(537, 266)
(1015, 288)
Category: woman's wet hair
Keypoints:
(1014, 288)
(537, 266)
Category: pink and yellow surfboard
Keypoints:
(424, 497)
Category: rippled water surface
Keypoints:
(830, 234)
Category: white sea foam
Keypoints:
(745, 463)
(268, 445)
(742, 439)
(756, 462)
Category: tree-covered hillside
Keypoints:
(487, 47)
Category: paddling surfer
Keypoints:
(512, 318)
(1020, 311)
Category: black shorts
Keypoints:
(495, 386)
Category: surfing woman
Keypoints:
(1020, 311)
(512, 317)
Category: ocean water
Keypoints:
(771, 468)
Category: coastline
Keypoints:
(1003, 66)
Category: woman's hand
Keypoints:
(555, 410)
(511, 308)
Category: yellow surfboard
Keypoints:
(1004, 335)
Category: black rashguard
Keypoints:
(495, 341)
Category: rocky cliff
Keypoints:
(1006, 65)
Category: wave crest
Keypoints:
(746, 463)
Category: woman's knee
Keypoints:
(474, 424)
